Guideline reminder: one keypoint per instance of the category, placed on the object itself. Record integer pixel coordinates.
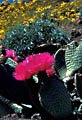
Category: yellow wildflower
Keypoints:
(2, 31)
(56, 19)
(38, 9)
(63, 3)
(1, 8)
(24, 21)
(12, 5)
(26, 25)
(35, 17)
(73, 20)
(19, 1)
(23, 14)
(62, 18)
(49, 6)
(5, 2)
(72, 10)
(71, 3)
(8, 8)
(30, 3)
(31, 20)
(78, 14)
(42, 14)
(22, 7)
(2, 37)
(59, 12)
(68, 13)
(52, 14)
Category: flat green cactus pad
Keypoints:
(78, 83)
(4, 109)
(73, 58)
(7, 107)
(54, 98)
(60, 66)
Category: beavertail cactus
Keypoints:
(78, 83)
(7, 107)
(4, 108)
(54, 98)
(73, 58)
(60, 65)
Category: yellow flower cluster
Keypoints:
(21, 12)
(38, 9)
(68, 10)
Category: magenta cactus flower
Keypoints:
(11, 54)
(33, 64)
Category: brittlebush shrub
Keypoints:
(23, 40)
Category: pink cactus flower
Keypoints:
(33, 64)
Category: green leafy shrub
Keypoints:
(45, 31)
(17, 40)
(23, 40)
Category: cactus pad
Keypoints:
(55, 99)
(78, 83)
(4, 108)
(60, 66)
(73, 57)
